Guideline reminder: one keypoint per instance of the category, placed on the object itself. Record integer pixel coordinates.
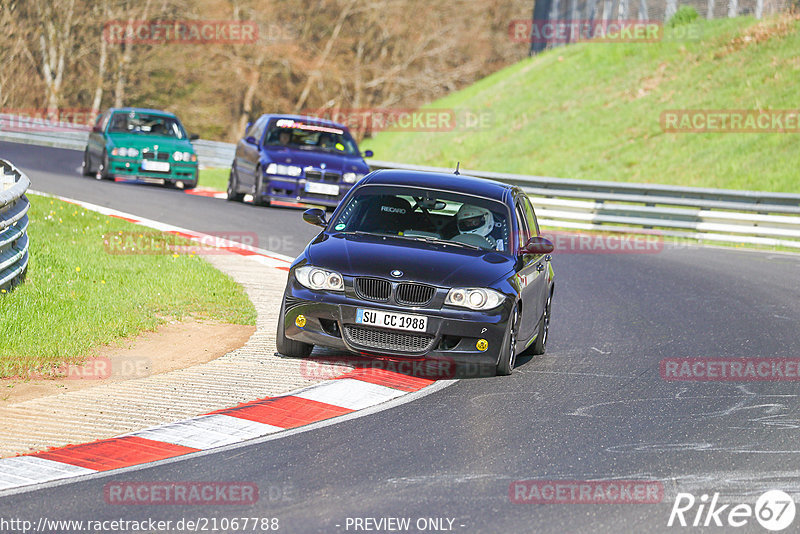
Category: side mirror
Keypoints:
(539, 245)
(194, 137)
(97, 128)
(368, 153)
(250, 140)
(316, 217)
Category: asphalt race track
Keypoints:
(593, 408)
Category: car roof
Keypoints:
(143, 110)
(458, 183)
(306, 118)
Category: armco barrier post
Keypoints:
(13, 225)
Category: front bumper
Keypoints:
(296, 190)
(132, 168)
(451, 334)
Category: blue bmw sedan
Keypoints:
(295, 158)
(422, 265)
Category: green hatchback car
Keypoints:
(144, 144)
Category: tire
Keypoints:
(258, 199)
(290, 347)
(540, 345)
(508, 353)
(86, 166)
(233, 186)
(102, 170)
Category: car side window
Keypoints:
(523, 234)
(530, 216)
(102, 121)
(256, 129)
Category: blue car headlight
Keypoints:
(474, 298)
(319, 279)
(351, 177)
(286, 170)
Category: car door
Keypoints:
(531, 275)
(248, 154)
(542, 260)
(96, 142)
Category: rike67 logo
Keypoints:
(774, 510)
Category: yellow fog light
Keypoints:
(482, 345)
(300, 321)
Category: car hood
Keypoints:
(431, 263)
(165, 144)
(308, 158)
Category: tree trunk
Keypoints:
(321, 62)
(672, 8)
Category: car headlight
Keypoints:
(318, 279)
(351, 177)
(183, 156)
(287, 170)
(474, 298)
(125, 152)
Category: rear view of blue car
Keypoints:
(297, 159)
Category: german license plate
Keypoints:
(398, 321)
(322, 189)
(157, 166)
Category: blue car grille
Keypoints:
(313, 175)
(387, 339)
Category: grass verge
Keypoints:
(78, 296)
(593, 111)
(214, 178)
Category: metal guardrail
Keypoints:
(724, 215)
(13, 225)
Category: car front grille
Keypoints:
(160, 156)
(387, 340)
(332, 177)
(373, 289)
(313, 175)
(414, 294)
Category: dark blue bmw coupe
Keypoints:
(295, 158)
(423, 265)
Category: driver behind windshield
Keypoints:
(475, 224)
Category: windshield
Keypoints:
(426, 215)
(310, 136)
(146, 124)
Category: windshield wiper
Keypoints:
(431, 239)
